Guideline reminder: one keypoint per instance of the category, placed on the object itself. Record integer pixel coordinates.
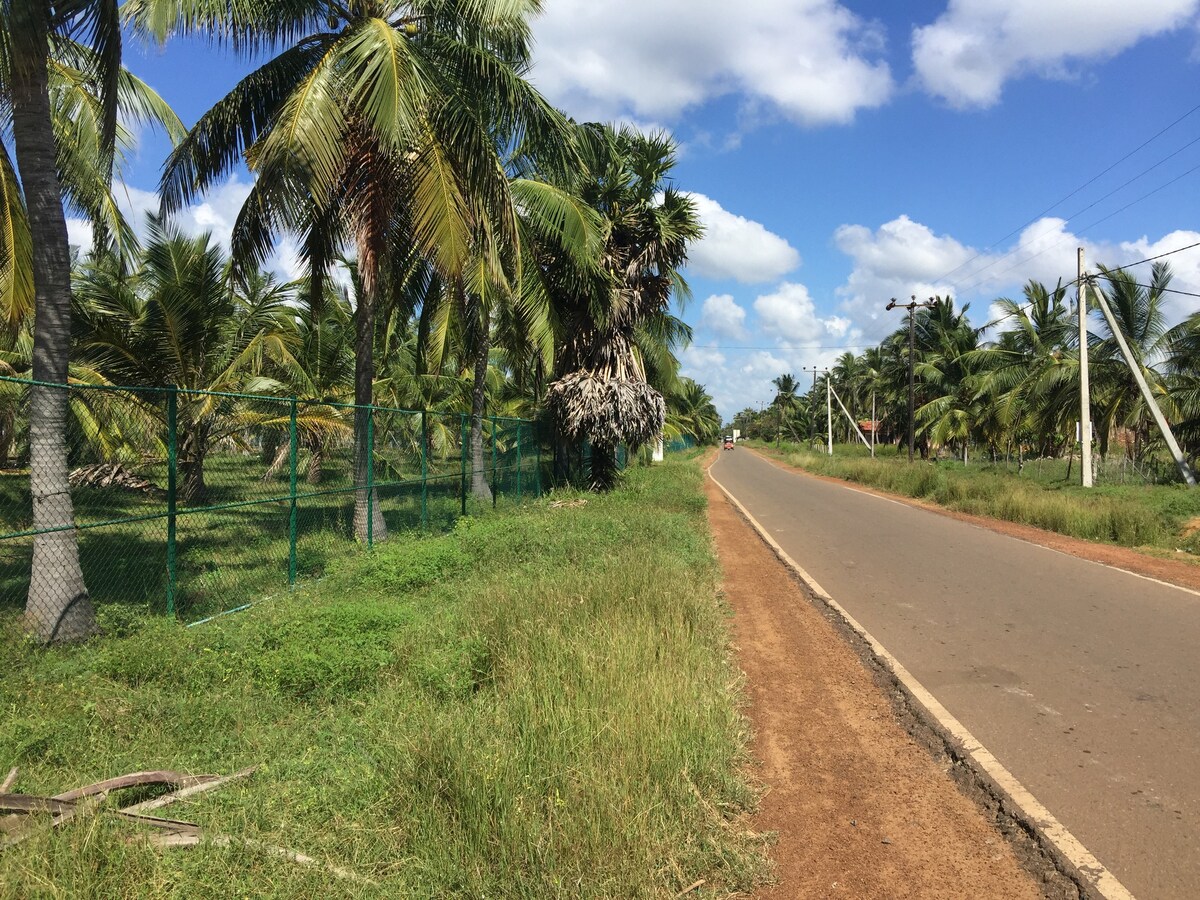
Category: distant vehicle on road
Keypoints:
(728, 442)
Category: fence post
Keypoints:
(370, 477)
(424, 469)
(172, 485)
(462, 428)
(520, 426)
(537, 473)
(495, 484)
(293, 452)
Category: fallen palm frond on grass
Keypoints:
(537, 704)
(20, 814)
(20, 821)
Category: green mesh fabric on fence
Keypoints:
(679, 444)
(192, 503)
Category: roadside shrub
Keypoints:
(157, 652)
(402, 567)
(336, 650)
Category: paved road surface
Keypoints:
(1083, 681)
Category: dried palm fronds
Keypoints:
(103, 475)
(606, 410)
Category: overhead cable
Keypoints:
(1086, 184)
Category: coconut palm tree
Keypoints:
(690, 411)
(787, 404)
(1138, 311)
(58, 608)
(1031, 372)
(181, 321)
(85, 168)
(490, 308)
(377, 124)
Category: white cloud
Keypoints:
(904, 258)
(216, 214)
(975, 46)
(737, 378)
(738, 248)
(722, 315)
(790, 315)
(1185, 268)
(814, 61)
(79, 234)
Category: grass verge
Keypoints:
(540, 703)
(1164, 517)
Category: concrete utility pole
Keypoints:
(911, 352)
(812, 420)
(873, 424)
(1085, 397)
(829, 411)
(828, 408)
(1136, 368)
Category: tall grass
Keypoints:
(537, 704)
(1129, 515)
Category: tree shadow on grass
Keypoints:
(123, 564)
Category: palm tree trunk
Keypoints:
(6, 440)
(364, 378)
(192, 452)
(479, 486)
(58, 607)
(270, 450)
(281, 457)
(316, 461)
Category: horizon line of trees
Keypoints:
(1017, 391)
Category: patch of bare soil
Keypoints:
(1184, 571)
(859, 807)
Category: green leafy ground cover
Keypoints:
(1158, 516)
(539, 703)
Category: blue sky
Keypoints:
(842, 153)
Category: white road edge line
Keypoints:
(1011, 537)
(1102, 881)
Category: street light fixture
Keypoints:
(911, 350)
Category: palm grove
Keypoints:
(1017, 393)
(466, 246)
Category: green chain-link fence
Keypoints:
(192, 503)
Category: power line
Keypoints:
(1067, 197)
(1163, 290)
(1081, 231)
(1141, 262)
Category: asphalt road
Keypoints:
(1084, 681)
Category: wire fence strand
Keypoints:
(192, 503)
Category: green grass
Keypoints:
(1131, 515)
(539, 703)
(227, 557)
